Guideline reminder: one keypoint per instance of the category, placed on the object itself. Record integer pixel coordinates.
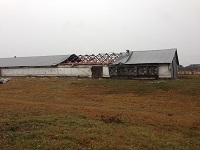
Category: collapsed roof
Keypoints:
(100, 59)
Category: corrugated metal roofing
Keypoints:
(144, 57)
(35, 61)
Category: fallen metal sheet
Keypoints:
(2, 80)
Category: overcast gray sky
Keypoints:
(56, 27)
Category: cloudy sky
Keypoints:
(57, 27)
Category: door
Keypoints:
(97, 71)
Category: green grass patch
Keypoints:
(79, 132)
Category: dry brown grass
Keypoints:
(65, 113)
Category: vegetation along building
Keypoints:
(132, 64)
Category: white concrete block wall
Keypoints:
(165, 71)
(106, 72)
(72, 71)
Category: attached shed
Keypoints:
(58, 65)
(146, 64)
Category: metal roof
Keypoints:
(35, 61)
(150, 57)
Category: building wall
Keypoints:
(60, 71)
(165, 71)
(106, 72)
(70, 71)
(175, 68)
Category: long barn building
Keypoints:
(57, 65)
(42, 66)
(131, 64)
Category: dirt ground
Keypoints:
(80, 113)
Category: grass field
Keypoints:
(76, 113)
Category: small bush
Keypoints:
(112, 119)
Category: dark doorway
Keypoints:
(97, 71)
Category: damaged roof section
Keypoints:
(100, 59)
(147, 57)
(37, 61)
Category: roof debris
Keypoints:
(4, 80)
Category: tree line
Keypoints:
(192, 67)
